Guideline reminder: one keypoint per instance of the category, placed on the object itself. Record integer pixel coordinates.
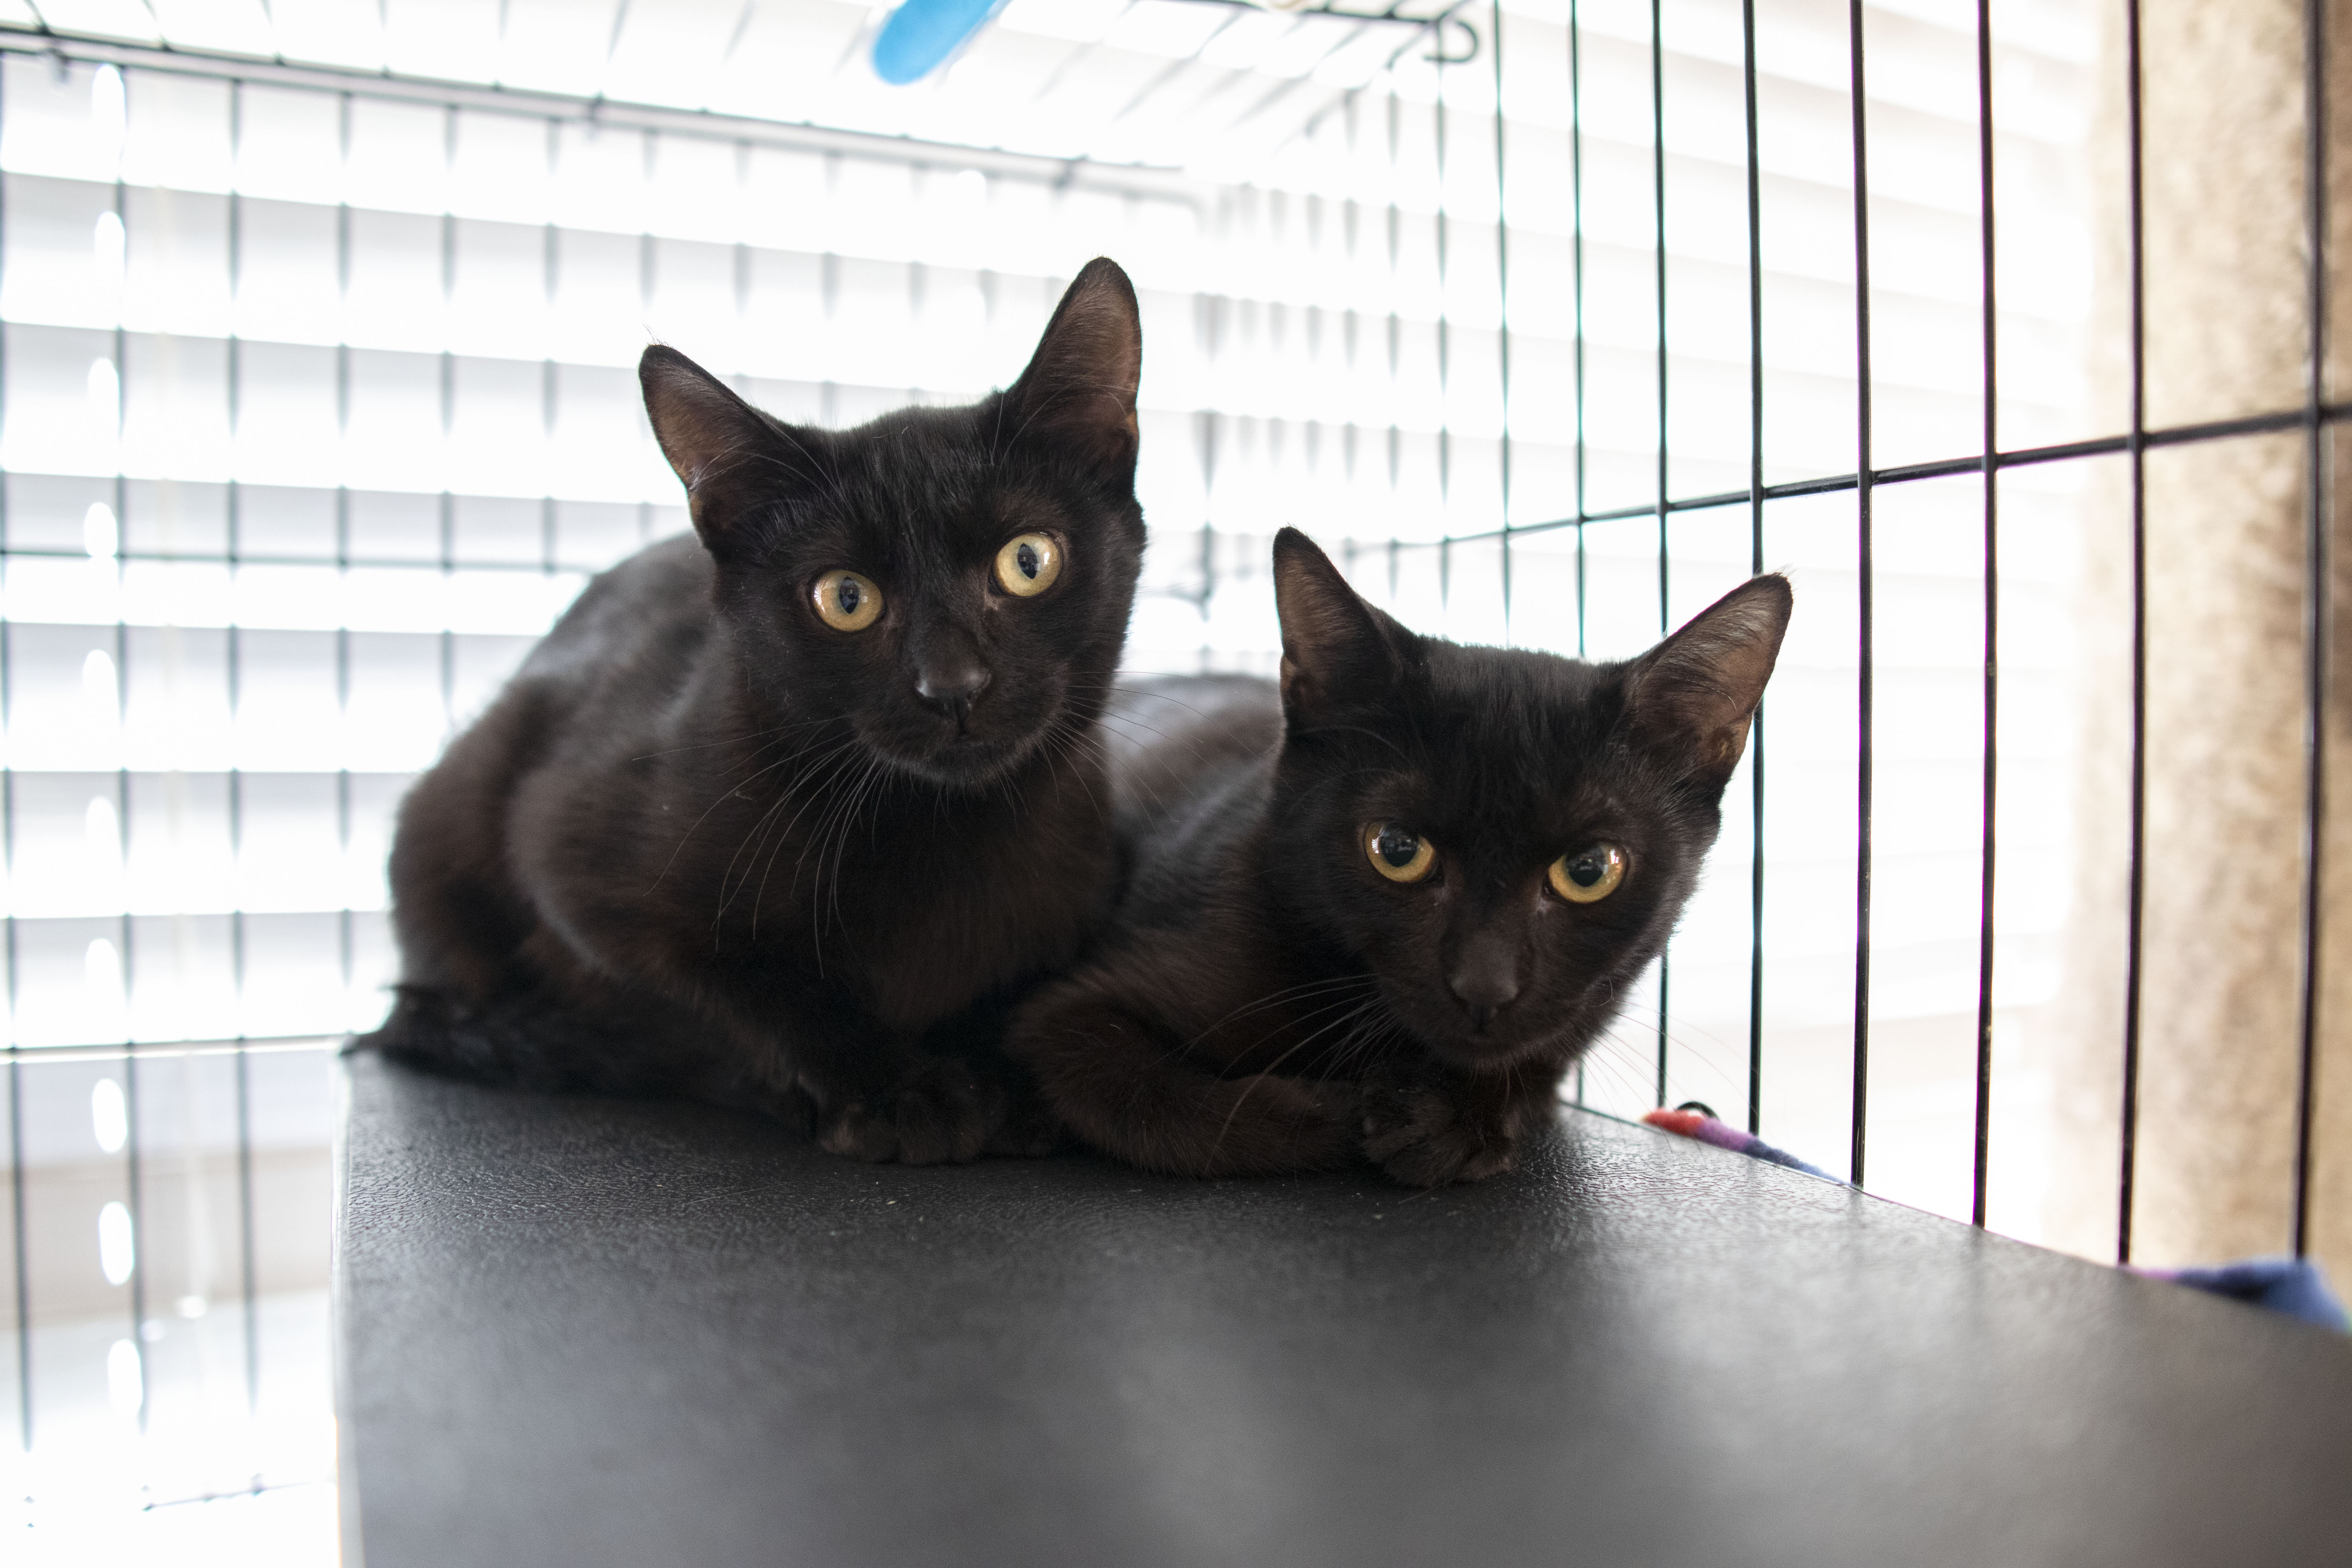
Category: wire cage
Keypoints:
(1553, 319)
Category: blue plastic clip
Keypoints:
(921, 33)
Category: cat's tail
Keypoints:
(528, 1039)
(1126, 1089)
(516, 1040)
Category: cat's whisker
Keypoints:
(836, 835)
(732, 885)
(1630, 1074)
(875, 790)
(1699, 1047)
(841, 821)
(1272, 998)
(752, 838)
(820, 835)
(1110, 717)
(822, 793)
(835, 764)
(1146, 692)
(840, 802)
(1342, 1005)
(1174, 1051)
(1189, 746)
(1375, 1025)
(1315, 989)
(723, 796)
(1066, 748)
(1270, 1070)
(1115, 688)
(1116, 684)
(1352, 1012)
(1611, 1088)
(1615, 1080)
(1695, 1045)
(1015, 797)
(757, 750)
(1594, 1057)
(730, 741)
(1378, 1026)
(1159, 802)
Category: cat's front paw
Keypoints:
(937, 1113)
(1028, 1128)
(1420, 1136)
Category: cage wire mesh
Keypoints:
(1550, 318)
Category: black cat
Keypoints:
(776, 814)
(1383, 910)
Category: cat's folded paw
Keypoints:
(937, 1113)
(1028, 1130)
(1418, 1135)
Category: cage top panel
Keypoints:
(678, 1334)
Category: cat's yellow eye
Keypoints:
(1028, 565)
(847, 602)
(1590, 875)
(1399, 855)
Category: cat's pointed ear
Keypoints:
(1339, 653)
(729, 454)
(1694, 694)
(1078, 392)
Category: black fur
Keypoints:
(1267, 1001)
(706, 844)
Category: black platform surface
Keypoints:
(588, 1332)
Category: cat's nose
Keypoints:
(951, 684)
(1485, 979)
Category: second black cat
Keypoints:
(1380, 911)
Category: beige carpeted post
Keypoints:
(2226, 280)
